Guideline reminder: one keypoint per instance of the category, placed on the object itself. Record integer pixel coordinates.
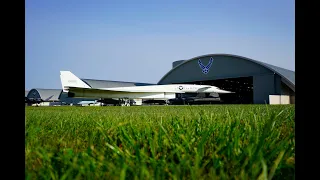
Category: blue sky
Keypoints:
(138, 40)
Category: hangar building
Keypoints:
(252, 81)
(51, 97)
(44, 97)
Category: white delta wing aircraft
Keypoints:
(77, 88)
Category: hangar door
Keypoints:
(242, 88)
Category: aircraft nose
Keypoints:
(224, 91)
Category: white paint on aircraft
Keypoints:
(73, 84)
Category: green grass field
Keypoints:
(161, 142)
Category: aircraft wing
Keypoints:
(119, 90)
(71, 82)
(94, 90)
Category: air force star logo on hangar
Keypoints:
(205, 69)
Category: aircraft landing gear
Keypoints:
(124, 102)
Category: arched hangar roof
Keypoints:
(44, 94)
(287, 76)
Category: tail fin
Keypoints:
(70, 80)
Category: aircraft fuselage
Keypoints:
(144, 92)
